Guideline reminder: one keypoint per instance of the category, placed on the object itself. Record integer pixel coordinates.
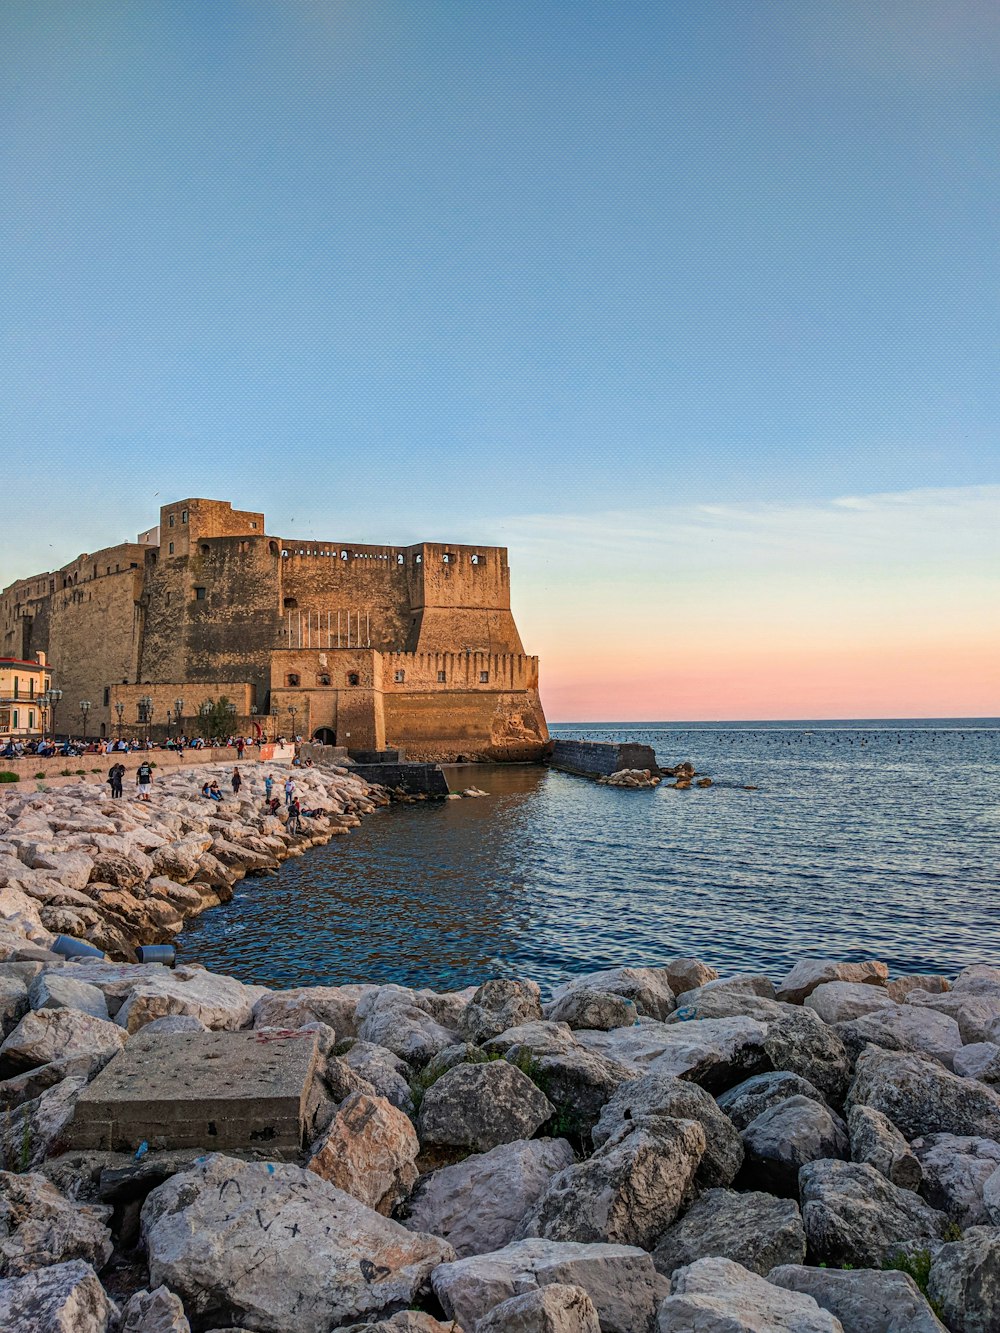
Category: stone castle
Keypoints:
(371, 647)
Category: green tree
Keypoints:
(214, 717)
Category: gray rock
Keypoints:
(662, 1094)
(900, 987)
(726, 1004)
(980, 1060)
(714, 1052)
(965, 1280)
(540, 1038)
(66, 1298)
(583, 1008)
(920, 1097)
(975, 1010)
(554, 1309)
(684, 974)
(498, 1005)
(578, 1082)
(977, 979)
(406, 1321)
(753, 1096)
(13, 1003)
(39, 1227)
(620, 1280)
(741, 983)
(903, 1027)
(809, 973)
(387, 1073)
(333, 1005)
(865, 1300)
(875, 1141)
(801, 1043)
(462, 1053)
(756, 1230)
(58, 990)
(276, 1247)
(53, 1034)
(853, 1215)
(647, 987)
(368, 1150)
(991, 1197)
(842, 1001)
(955, 1170)
(481, 1106)
(390, 1017)
(787, 1136)
(628, 1192)
(158, 1311)
(35, 1129)
(477, 1204)
(719, 1296)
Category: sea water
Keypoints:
(862, 840)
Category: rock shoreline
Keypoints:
(646, 1150)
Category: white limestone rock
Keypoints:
(277, 1248)
(158, 1311)
(647, 987)
(49, 1034)
(498, 1005)
(40, 1227)
(921, 1098)
(754, 1229)
(955, 1170)
(554, 1309)
(60, 990)
(481, 1106)
(66, 1298)
(842, 1001)
(809, 973)
(865, 1300)
(719, 1296)
(368, 1150)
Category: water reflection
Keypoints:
(859, 842)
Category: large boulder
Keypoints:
(664, 1095)
(809, 973)
(59, 990)
(369, 1150)
(275, 1247)
(498, 1005)
(841, 1001)
(725, 1003)
(715, 1052)
(877, 1142)
(332, 1005)
(756, 1230)
(577, 1081)
(391, 1017)
(865, 1300)
(477, 1204)
(786, 1137)
(801, 1043)
(920, 1097)
(955, 1170)
(648, 988)
(980, 1060)
(719, 1296)
(480, 1106)
(39, 1227)
(619, 1279)
(49, 1034)
(753, 1096)
(965, 1281)
(584, 1008)
(35, 1129)
(976, 1009)
(904, 1027)
(684, 974)
(66, 1298)
(853, 1215)
(628, 1192)
(386, 1072)
(221, 1003)
(553, 1309)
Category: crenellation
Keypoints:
(371, 645)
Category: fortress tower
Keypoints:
(371, 646)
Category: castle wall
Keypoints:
(329, 591)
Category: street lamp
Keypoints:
(55, 696)
(84, 710)
(120, 710)
(178, 712)
(293, 710)
(274, 714)
(146, 713)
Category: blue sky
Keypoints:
(403, 270)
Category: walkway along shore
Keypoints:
(647, 1150)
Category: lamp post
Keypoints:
(231, 713)
(293, 710)
(178, 712)
(55, 695)
(146, 713)
(274, 714)
(84, 710)
(120, 710)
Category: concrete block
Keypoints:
(209, 1090)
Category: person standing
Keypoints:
(239, 748)
(144, 779)
(115, 775)
(237, 782)
(294, 824)
(289, 791)
(268, 785)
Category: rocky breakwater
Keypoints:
(117, 873)
(649, 1150)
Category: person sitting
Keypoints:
(214, 792)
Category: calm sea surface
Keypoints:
(874, 839)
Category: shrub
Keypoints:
(10, 777)
(918, 1266)
(65, 773)
(81, 772)
(95, 770)
(41, 774)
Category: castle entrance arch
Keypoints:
(325, 736)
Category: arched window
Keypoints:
(353, 678)
(323, 678)
(292, 679)
(289, 603)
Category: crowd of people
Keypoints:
(44, 748)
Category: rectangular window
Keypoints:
(442, 676)
(400, 677)
(16, 721)
(17, 687)
(107, 695)
(31, 721)
(199, 594)
(170, 520)
(170, 548)
(484, 677)
(184, 515)
(253, 523)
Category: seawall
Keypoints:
(599, 759)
